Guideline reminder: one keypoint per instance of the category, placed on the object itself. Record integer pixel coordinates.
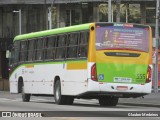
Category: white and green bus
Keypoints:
(104, 61)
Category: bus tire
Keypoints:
(104, 101)
(20, 84)
(108, 101)
(59, 99)
(69, 100)
(114, 101)
(25, 97)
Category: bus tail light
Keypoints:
(94, 72)
(149, 74)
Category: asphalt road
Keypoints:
(80, 110)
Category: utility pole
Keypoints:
(156, 48)
(20, 19)
(127, 13)
(109, 10)
(20, 22)
(50, 15)
(118, 3)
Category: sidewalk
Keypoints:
(152, 99)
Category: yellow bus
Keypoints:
(104, 61)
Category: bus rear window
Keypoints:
(120, 37)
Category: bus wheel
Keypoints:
(108, 101)
(69, 100)
(114, 101)
(59, 99)
(25, 97)
(104, 101)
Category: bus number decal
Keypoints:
(141, 76)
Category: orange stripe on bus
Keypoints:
(76, 66)
(30, 66)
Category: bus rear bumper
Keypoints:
(119, 89)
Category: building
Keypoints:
(24, 16)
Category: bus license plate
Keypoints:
(122, 79)
(122, 88)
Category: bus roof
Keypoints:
(53, 31)
(63, 30)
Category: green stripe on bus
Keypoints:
(53, 32)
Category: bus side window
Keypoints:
(12, 58)
(50, 48)
(16, 49)
(72, 45)
(83, 44)
(23, 50)
(30, 49)
(39, 49)
(60, 47)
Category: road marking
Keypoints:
(20, 100)
(4, 99)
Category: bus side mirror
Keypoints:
(8, 54)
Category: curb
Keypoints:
(140, 104)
